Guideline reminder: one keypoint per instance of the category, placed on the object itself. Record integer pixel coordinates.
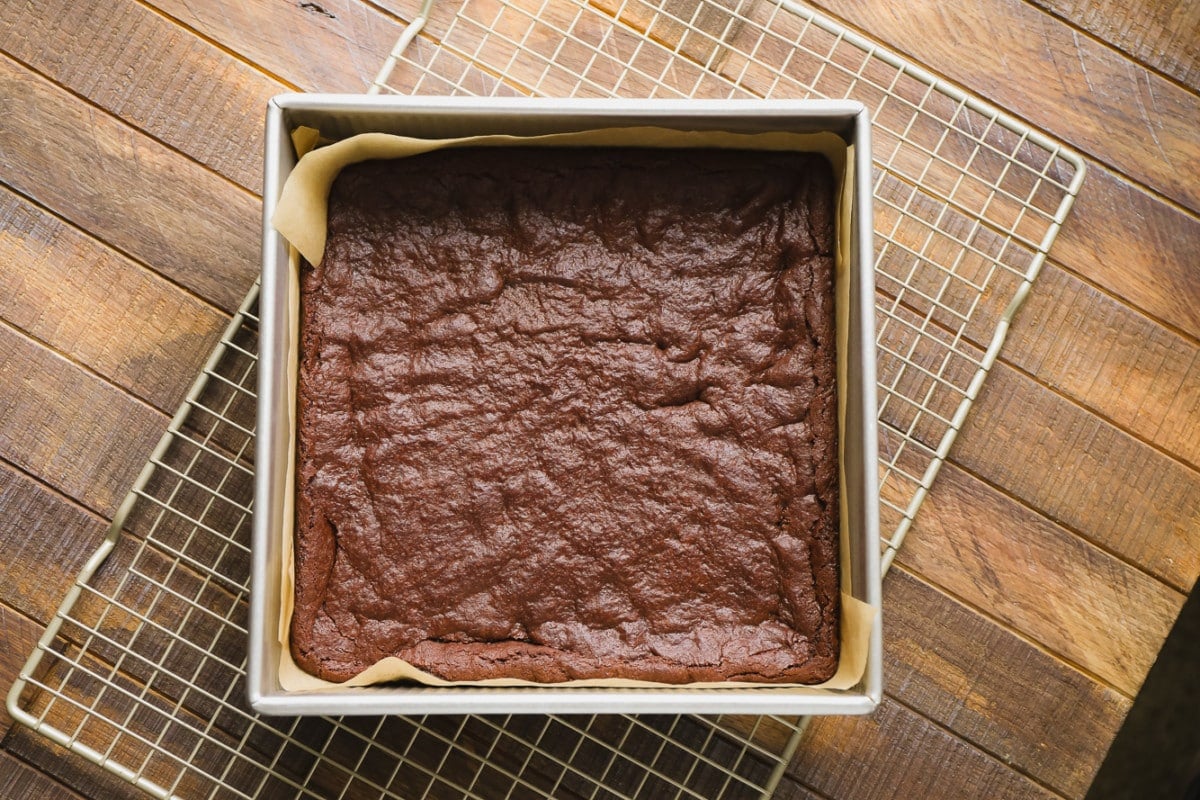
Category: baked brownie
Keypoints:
(571, 413)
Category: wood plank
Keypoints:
(696, 29)
(333, 46)
(789, 789)
(1059, 458)
(1087, 474)
(1136, 247)
(896, 752)
(1157, 752)
(1087, 94)
(69, 428)
(1103, 354)
(138, 66)
(1073, 598)
(1162, 34)
(46, 540)
(18, 638)
(81, 298)
(170, 213)
(994, 689)
(75, 772)
(19, 781)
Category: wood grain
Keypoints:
(162, 214)
(1161, 34)
(1059, 458)
(81, 298)
(333, 46)
(1078, 601)
(1086, 94)
(1136, 247)
(68, 427)
(990, 686)
(46, 539)
(696, 29)
(18, 637)
(20, 781)
(897, 753)
(789, 789)
(83, 778)
(1087, 474)
(116, 721)
(1141, 376)
(572, 50)
(137, 65)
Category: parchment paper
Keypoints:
(301, 218)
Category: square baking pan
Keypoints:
(341, 116)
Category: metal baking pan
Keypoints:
(338, 116)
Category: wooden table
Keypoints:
(1042, 574)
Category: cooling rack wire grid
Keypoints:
(141, 671)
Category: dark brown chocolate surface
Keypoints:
(571, 414)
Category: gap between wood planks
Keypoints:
(20, 780)
(215, 255)
(1017, 633)
(383, 29)
(1157, 21)
(1005, 56)
(995, 757)
(20, 636)
(1025, 704)
(164, 331)
(897, 752)
(1068, 527)
(252, 192)
(981, 545)
(80, 777)
(179, 22)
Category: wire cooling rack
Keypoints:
(967, 199)
(142, 668)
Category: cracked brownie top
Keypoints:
(571, 413)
